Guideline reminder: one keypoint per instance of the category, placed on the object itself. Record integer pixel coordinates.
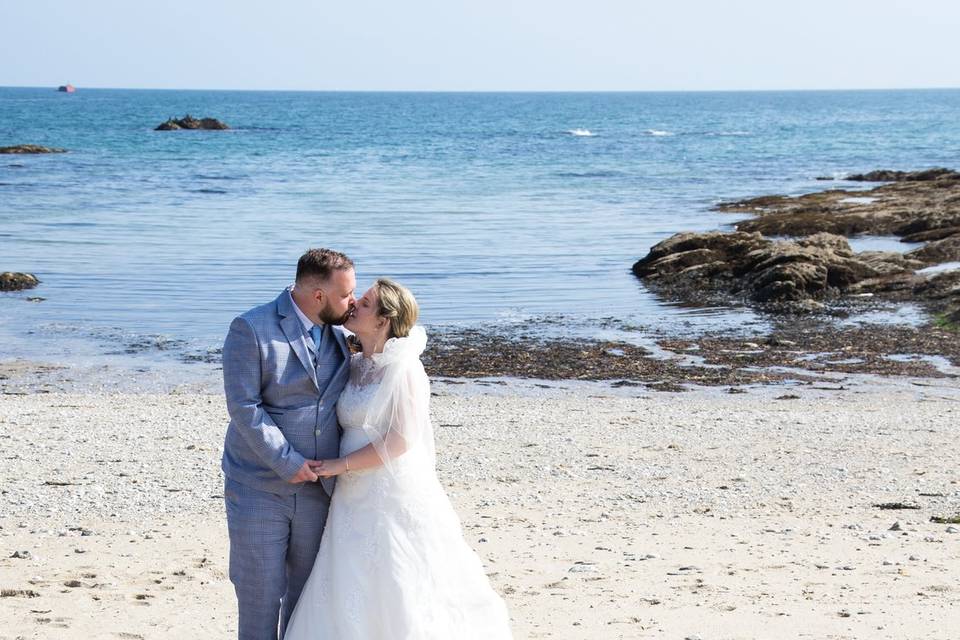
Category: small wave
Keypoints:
(658, 132)
(208, 191)
(582, 133)
(726, 134)
(203, 176)
(588, 174)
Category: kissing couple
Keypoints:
(339, 527)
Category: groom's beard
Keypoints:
(328, 317)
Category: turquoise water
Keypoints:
(494, 208)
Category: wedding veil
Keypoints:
(397, 420)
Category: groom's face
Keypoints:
(335, 297)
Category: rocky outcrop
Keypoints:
(817, 264)
(886, 175)
(30, 148)
(779, 275)
(12, 281)
(916, 206)
(189, 122)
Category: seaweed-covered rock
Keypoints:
(13, 281)
(760, 270)
(30, 148)
(913, 206)
(189, 122)
(886, 175)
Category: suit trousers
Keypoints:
(274, 541)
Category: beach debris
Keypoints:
(18, 593)
(189, 122)
(945, 519)
(896, 506)
(15, 281)
(583, 567)
(22, 555)
(30, 149)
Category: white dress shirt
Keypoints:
(307, 322)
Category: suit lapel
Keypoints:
(293, 330)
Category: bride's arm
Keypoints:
(365, 458)
(405, 414)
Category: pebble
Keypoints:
(22, 555)
(953, 530)
(584, 567)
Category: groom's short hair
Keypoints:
(321, 263)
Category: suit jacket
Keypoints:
(282, 408)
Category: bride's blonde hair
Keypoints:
(398, 306)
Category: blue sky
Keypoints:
(483, 45)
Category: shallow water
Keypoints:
(508, 210)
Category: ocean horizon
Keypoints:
(499, 209)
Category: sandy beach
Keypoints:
(599, 513)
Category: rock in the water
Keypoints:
(30, 148)
(886, 175)
(749, 266)
(12, 281)
(189, 122)
(918, 202)
(937, 251)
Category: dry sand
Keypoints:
(597, 514)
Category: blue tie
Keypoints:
(316, 332)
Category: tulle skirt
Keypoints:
(393, 564)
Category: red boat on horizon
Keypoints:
(67, 88)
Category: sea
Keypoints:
(508, 212)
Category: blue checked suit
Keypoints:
(281, 397)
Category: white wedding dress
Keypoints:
(393, 563)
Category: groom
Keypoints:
(284, 365)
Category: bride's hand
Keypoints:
(329, 468)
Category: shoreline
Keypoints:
(795, 350)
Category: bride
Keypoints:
(392, 560)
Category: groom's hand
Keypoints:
(305, 474)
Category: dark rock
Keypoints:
(923, 201)
(11, 281)
(932, 234)
(751, 267)
(30, 148)
(886, 175)
(944, 250)
(824, 178)
(189, 122)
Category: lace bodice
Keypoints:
(357, 394)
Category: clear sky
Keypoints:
(481, 45)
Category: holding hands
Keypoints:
(313, 470)
(328, 468)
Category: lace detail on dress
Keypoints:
(355, 398)
(364, 371)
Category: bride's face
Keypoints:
(364, 319)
